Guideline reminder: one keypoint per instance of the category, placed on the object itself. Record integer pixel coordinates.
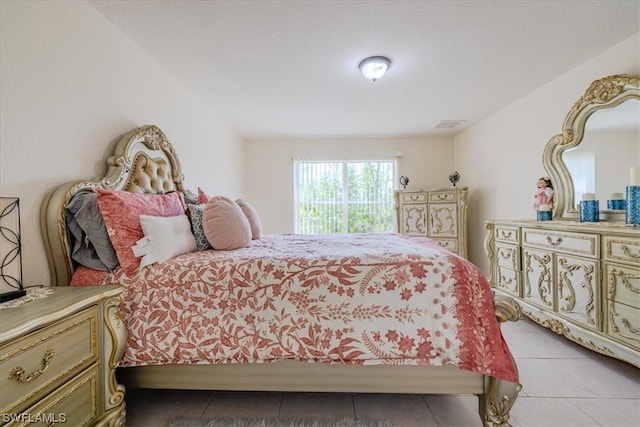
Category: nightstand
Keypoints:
(58, 356)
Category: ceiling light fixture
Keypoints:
(374, 67)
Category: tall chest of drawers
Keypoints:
(580, 280)
(440, 214)
(58, 356)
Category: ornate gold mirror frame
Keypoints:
(604, 93)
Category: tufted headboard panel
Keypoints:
(150, 175)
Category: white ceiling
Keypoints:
(289, 69)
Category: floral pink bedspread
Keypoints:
(355, 299)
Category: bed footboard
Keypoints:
(499, 395)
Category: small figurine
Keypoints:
(454, 177)
(404, 180)
(544, 195)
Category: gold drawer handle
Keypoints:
(628, 253)
(442, 196)
(506, 234)
(552, 243)
(414, 198)
(19, 374)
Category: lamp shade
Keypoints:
(374, 67)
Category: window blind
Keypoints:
(344, 196)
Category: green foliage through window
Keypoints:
(344, 196)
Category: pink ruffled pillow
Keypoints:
(252, 216)
(225, 225)
(121, 211)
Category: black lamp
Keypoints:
(10, 250)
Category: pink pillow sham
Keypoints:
(247, 208)
(252, 216)
(121, 211)
(225, 225)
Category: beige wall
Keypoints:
(501, 155)
(71, 83)
(269, 168)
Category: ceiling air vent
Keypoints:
(448, 124)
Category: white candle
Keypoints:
(589, 196)
(634, 176)
(544, 207)
(616, 196)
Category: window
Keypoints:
(344, 196)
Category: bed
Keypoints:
(373, 313)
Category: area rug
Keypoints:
(276, 422)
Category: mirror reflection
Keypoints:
(610, 146)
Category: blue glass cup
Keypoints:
(589, 211)
(633, 204)
(544, 215)
(617, 204)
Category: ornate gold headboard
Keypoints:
(143, 161)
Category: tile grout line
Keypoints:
(280, 406)
(353, 407)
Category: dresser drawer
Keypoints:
(622, 249)
(508, 256)
(444, 196)
(575, 243)
(507, 234)
(450, 244)
(507, 280)
(414, 198)
(32, 366)
(623, 323)
(622, 284)
(73, 404)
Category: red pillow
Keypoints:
(121, 211)
(203, 198)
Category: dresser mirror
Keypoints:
(599, 143)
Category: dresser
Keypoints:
(582, 280)
(440, 214)
(58, 356)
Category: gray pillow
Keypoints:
(190, 198)
(195, 212)
(90, 243)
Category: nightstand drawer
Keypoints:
(575, 243)
(73, 405)
(622, 249)
(32, 366)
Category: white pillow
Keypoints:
(165, 238)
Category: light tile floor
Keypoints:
(563, 385)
